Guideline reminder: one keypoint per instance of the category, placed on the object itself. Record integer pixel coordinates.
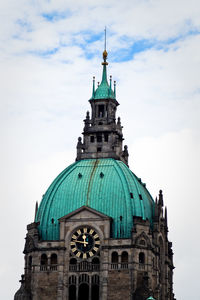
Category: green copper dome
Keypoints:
(106, 185)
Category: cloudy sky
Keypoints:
(49, 51)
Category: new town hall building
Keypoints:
(98, 234)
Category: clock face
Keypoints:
(85, 242)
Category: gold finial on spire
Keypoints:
(105, 54)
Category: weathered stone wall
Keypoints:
(119, 285)
(45, 287)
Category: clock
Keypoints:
(85, 242)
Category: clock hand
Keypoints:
(76, 241)
(84, 238)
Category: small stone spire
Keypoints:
(115, 89)
(110, 85)
(36, 208)
(166, 223)
(79, 148)
(93, 89)
(160, 201)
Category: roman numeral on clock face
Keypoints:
(91, 254)
(78, 254)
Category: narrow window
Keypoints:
(140, 196)
(115, 257)
(141, 258)
(43, 260)
(124, 257)
(101, 111)
(131, 194)
(73, 264)
(54, 259)
(92, 139)
(106, 137)
(95, 287)
(99, 138)
(99, 149)
(30, 262)
(72, 292)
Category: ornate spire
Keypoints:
(102, 134)
(104, 90)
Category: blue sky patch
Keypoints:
(44, 53)
(56, 16)
(24, 25)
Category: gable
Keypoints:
(84, 213)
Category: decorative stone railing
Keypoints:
(46, 268)
(84, 266)
(117, 266)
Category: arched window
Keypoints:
(95, 264)
(73, 264)
(43, 262)
(54, 259)
(124, 260)
(124, 257)
(72, 292)
(95, 287)
(73, 261)
(53, 262)
(83, 292)
(141, 258)
(114, 260)
(72, 279)
(83, 278)
(72, 287)
(115, 257)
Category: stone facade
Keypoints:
(133, 268)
